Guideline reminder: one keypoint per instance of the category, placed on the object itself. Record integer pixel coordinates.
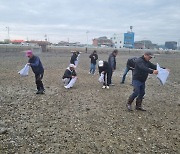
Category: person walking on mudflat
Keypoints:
(143, 67)
(93, 58)
(37, 68)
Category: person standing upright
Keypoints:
(143, 67)
(112, 65)
(37, 68)
(93, 58)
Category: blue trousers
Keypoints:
(92, 68)
(125, 73)
(139, 90)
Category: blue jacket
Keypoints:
(36, 65)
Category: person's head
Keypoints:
(148, 55)
(94, 52)
(100, 63)
(29, 53)
(72, 67)
(115, 52)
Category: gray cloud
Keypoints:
(157, 20)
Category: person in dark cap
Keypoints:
(112, 65)
(143, 67)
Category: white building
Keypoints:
(118, 40)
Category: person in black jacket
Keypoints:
(103, 67)
(129, 66)
(93, 57)
(112, 65)
(73, 57)
(143, 67)
(70, 76)
(37, 67)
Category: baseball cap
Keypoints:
(29, 53)
(149, 53)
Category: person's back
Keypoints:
(131, 63)
(36, 65)
(73, 58)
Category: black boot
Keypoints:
(129, 103)
(139, 105)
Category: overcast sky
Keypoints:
(63, 20)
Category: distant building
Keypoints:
(103, 42)
(171, 45)
(64, 43)
(117, 40)
(129, 40)
(17, 41)
(145, 44)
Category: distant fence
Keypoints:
(61, 49)
(18, 48)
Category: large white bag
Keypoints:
(101, 78)
(24, 71)
(162, 74)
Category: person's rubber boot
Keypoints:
(139, 105)
(129, 105)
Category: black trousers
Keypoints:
(38, 80)
(110, 73)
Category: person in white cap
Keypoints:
(69, 77)
(103, 67)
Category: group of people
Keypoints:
(140, 67)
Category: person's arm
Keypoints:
(142, 66)
(36, 63)
(67, 74)
(112, 62)
(152, 66)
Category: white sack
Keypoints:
(101, 78)
(162, 74)
(24, 71)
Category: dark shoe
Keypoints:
(139, 105)
(121, 82)
(40, 92)
(140, 109)
(129, 107)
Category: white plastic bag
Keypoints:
(24, 71)
(162, 74)
(101, 78)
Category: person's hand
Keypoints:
(155, 71)
(29, 64)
